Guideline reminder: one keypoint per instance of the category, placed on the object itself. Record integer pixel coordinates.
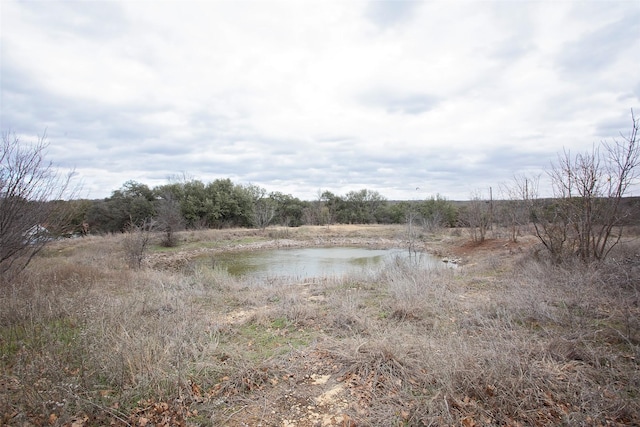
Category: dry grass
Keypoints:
(505, 340)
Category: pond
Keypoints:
(306, 263)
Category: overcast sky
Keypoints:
(408, 98)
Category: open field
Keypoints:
(504, 339)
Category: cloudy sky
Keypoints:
(408, 98)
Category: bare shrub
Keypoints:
(297, 310)
(245, 379)
(516, 208)
(347, 316)
(587, 215)
(136, 242)
(379, 374)
(169, 219)
(584, 313)
(476, 215)
(378, 371)
(415, 288)
(622, 269)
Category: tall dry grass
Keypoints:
(81, 332)
(542, 345)
(507, 341)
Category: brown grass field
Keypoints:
(506, 338)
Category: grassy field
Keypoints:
(506, 338)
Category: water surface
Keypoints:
(310, 262)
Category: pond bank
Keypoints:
(210, 242)
(181, 257)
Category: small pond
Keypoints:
(305, 263)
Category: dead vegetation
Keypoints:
(508, 338)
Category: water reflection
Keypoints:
(310, 262)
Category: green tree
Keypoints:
(361, 206)
(235, 203)
(289, 209)
(330, 207)
(193, 204)
(393, 212)
(133, 203)
(437, 212)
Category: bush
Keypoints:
(136, 243)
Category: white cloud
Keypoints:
(301, 96)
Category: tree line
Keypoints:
(193, 204)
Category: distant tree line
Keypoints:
(193, 204)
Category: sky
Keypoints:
(407, 98)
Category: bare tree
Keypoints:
(28, 186)
(587, 214)
(169, 219)
(412, 215)
(476, 216)
(264, 208)
(264, 212)
(516, 208)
